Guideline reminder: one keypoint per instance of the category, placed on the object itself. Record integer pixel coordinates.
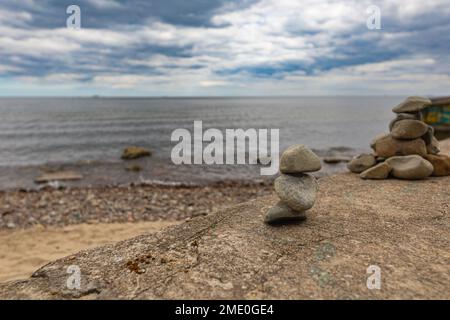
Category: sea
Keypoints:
(89, 134)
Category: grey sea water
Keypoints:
(39, 131)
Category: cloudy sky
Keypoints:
(224, 47)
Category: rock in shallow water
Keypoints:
(412, 104)
(282, 212)
(387, 147)
(440, 163)
(298, 159)
(135, 152)
(58, 176)
(409, 129)
(410, 167)
(298, 191)
(361, 163)
(380, 171)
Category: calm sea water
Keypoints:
(37, 131)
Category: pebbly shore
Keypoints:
(132, 203)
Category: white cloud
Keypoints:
(267, 34)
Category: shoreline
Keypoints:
(147, 171)
(133, 203)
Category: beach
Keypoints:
(398, 225)
(37, 227)
(114, 199)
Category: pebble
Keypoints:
(299, 158)
(409, 129)
(441, 164)
(389, 147)
(380, 171)
(411, 167)
(282, 212)
(361, 163)
(297, 191)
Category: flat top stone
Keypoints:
(412, 104)
(299, 158)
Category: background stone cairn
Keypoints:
(410, 151)
(295, 187)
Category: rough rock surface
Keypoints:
(400, 226)
(298, 159)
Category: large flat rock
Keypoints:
(400, 226)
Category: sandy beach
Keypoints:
(25, 250)
(37, 227)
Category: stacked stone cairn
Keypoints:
(410, 151)
(295, 187)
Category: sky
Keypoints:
(224, 48)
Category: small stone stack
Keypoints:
(410, 151)
(295, 187)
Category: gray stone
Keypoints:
(378, 137)
(298, 159)
(405, 116)
(412, 104)
(298, 191)
(409, 129)
(380, 171)
(433, 147)
(282, 212)
(387, 147)
(411, 167)
(428, 136)
(361, 163)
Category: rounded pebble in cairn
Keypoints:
(389, 147)
(298, 159)
(297, 191)
(380, 171)
(440, 163)
(361, 163)
(409, 129)
(411, 167)
(405, 116)
(282, 212)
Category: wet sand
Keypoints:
(25, 250)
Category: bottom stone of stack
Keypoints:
(282, 212)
